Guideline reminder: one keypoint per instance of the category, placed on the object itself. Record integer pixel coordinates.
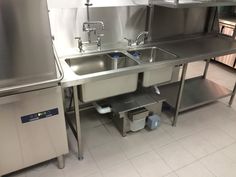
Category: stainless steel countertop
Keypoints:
(190, 49)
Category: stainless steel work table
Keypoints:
(188, 49)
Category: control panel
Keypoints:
(39, 115)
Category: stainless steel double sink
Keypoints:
(97, 63)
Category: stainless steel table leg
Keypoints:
(206, 68)
(233, 95)
(61, 162)
(180, 93)
(78, 127)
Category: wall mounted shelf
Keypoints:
(192, 3)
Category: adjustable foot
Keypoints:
(61, 162)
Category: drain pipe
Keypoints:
(101, 110)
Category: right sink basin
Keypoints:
(153, 55)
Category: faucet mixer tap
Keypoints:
(89, 27)
(130, 42)
(80, 44)
(143, 34)
(99, 41)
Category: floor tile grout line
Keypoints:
(170, 143)
(214, 152)
(194, 131)
(199, 160)
(215, 175)
(102, 144)
(95, 161)
(164, 161)
(196, 159)
(102, 170)
(192, 153)
(134, 167)
(227, 133)
(159, 157)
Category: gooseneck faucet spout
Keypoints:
(143, 35)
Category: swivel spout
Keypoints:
(87, 25)
(143, 35)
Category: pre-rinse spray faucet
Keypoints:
(89, 27)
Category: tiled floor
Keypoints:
(202, 145)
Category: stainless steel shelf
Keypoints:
(202, 46)
(192, 3)
(197, 91)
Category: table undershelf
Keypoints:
(197, 91)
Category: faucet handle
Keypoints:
(80, 43)
(99, 41)
(129, 41)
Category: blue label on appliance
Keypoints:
(39, 115)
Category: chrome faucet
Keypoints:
(143, 35)
(89, 27)
(99, 41)
(80, 44)
(130, 42)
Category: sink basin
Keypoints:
(153, 55)
(98, 63)
(104, 88)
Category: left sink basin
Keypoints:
(104, 88)
(98, 63)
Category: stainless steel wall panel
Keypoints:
(120, 22)
(167, 22)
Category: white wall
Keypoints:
(96, 3)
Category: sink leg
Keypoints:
(180, 93)
(232, 96)
(78, 126)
